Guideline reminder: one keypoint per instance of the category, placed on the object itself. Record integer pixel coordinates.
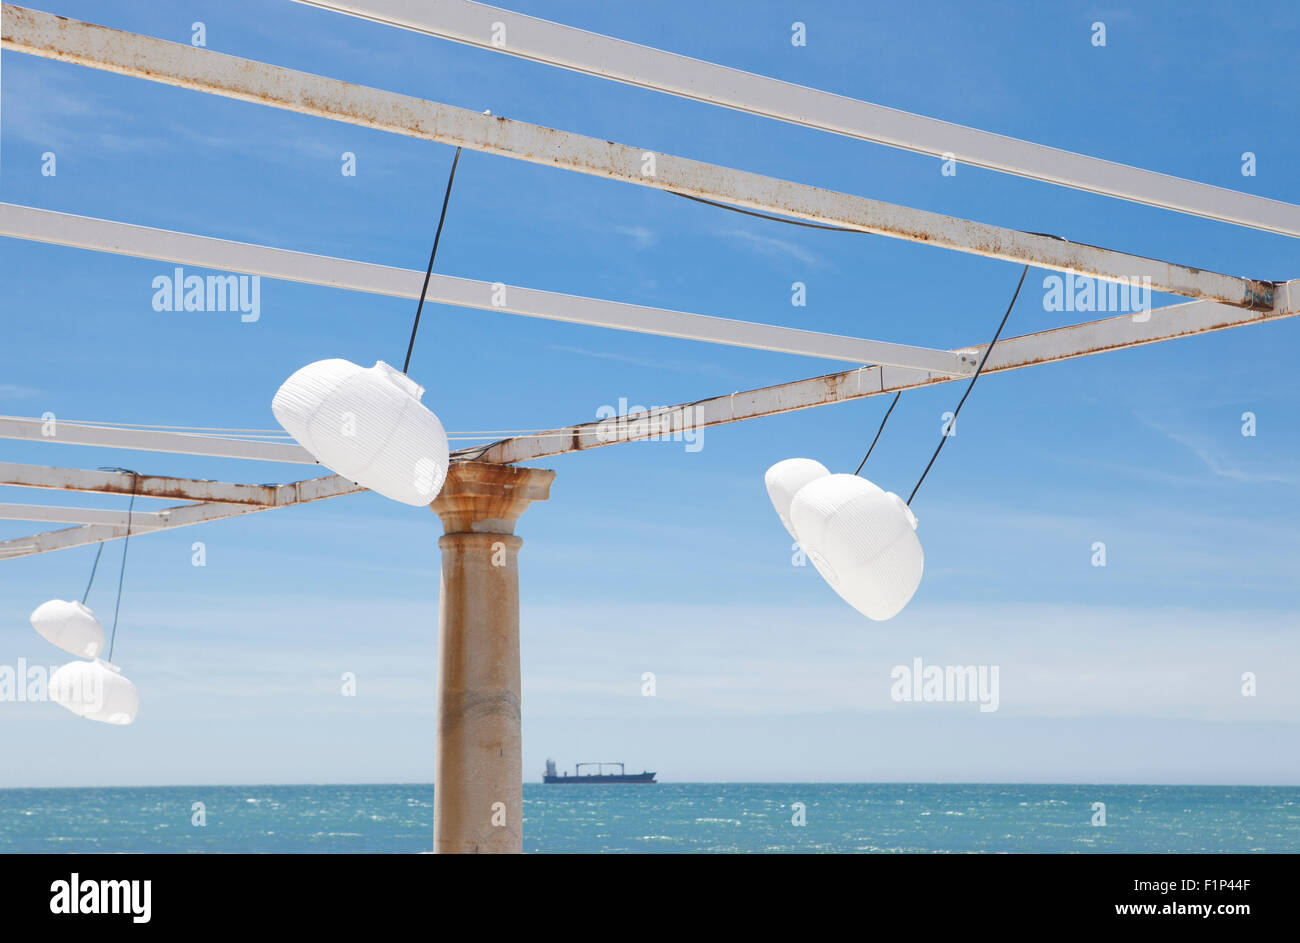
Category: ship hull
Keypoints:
(613, 778)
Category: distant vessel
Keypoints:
(600, 776)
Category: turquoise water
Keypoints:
(673, 817)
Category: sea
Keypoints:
(666, 818)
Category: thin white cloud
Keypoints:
(771, 246)
(15, 391)
(677, 366)
(1217, 464)
(641, 237)
(62, 114)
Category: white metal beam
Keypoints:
(177, 443)
(185, 66)
(140, 520)
(527, 37)
(149, 440)
(25, 222)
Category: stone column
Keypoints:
(478, 789)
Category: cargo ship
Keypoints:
(600, 776)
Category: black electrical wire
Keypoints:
(126, 542)
(878, 431)
(428, 273)
(99, 550)
(94, 566)
(978, 370)
(808, 225)
(775, 219)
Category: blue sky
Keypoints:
(649, 557)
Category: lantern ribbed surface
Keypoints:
(784, 479)
(95, 690)
(862, 540)
(70, 626)
(367, 425)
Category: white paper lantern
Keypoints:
(367, 425)
(862, 541)
(69, 625)
(784, 479)
(95, 690)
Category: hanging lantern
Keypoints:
(367, 425)
(70, 626)
(862, 541)
(95, 690)
(784, 479)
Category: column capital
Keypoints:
(488, 498)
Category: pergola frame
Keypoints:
(1223, 301)
(478, 753)
(203, 70)
(526, 37)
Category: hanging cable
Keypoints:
(126, 543)
(808, 225)
(978, 370)
(878, 431)
(94, 566)
(428, 273)
(757, 215)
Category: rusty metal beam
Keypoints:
(26, 222)
(526, 37)
(1078, 340)
(98, 47)
(185, 515)
(143, 486)
(1014, 353)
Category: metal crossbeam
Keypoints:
(143, 486)
(83, 232)
(184, 66)
(140, 520)
(1013, 353)
(185, 515)
(527, 37)
(149, 440)
(1027, 350)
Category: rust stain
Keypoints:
(157, 487)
